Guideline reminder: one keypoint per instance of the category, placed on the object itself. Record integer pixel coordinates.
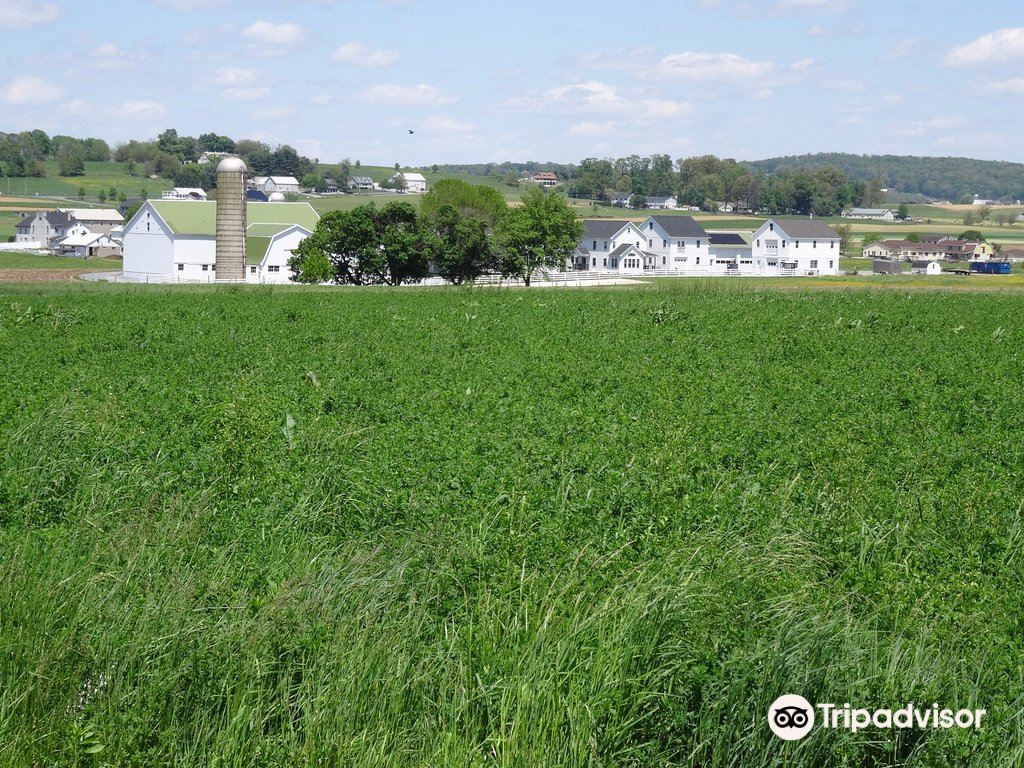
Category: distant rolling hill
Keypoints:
(942, 178)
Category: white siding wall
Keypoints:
(148, 246)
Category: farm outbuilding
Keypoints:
(886, 267)
(925, 268)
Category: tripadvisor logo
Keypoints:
(792, 717)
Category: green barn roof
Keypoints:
(256, 249)
(192, 217)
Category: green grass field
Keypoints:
(506, 528)
(98, 176)
(16, 260)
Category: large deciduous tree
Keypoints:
(460, 249)
(366, 246)
(541, 233)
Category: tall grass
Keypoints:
(504, 528)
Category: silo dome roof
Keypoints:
(231, 165)
(276, 197)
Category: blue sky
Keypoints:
(549, 80)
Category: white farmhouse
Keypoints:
(670, 243)
(87, 245)
(270, 184)
(793, 247)
(414, 183)
(102, 220)
(175, 240)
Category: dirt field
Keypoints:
(38, 275)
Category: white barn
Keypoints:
(175, 240)
(415, 183)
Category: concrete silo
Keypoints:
(230, 257)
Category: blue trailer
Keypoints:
(990, 267)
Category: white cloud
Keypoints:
(283, 34)
(142, 110)
(422, 95)
(824, 7)
(1003, 45)
(803, 64)
(233, 76)
(26, 13)
(189, 5)
(902, 49)
(712, 67)
(78, 108)
(361, 56)
(446, 125)
(245, 94)
(593, 97)
(921, 127)
(30, 90)
(1012, 87)
(592, 128)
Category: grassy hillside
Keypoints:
(98, 176)
(505, 528)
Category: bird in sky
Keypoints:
(411, 131)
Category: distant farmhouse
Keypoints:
(213, 157)
(361, 184)
(871, 214)
(184, 193)
(930, 247)
(51, 230)
(268, 185)
(678, 245)
(175, 240)
(411, 182)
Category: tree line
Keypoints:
(708, 181)
(957, 179)
(460, 232)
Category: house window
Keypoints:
(604, 263)
(275, 268)
(682, 243)
(650, 225)
(206, 267)
(698, 259)
(181, 267)
(252, 270)
(831, 264)
(758, 243)
(606, 245)
(595, 245)
(698, 243)
(213, 267)
(832, 244)
(615, 263)
(795, 245)
(814, 243)
(664, 261)
(771, 226)
(650, 243)
(593, 262)
(664, 243)
(814, 263)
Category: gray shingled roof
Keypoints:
(725, 238)
(601, 229)
(26, 222)
(806, 228)
(680, 226)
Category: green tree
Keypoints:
(366, 246)
(81, 192)
(113, 192)
(102, 197)
(541, 233)
(844, 231)
(475, 201)
(131, 210)
(972, 236)
(312, 181)
(638, 202)
(913, 237)
(903, 212)
(460, 248)
(71, 162)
